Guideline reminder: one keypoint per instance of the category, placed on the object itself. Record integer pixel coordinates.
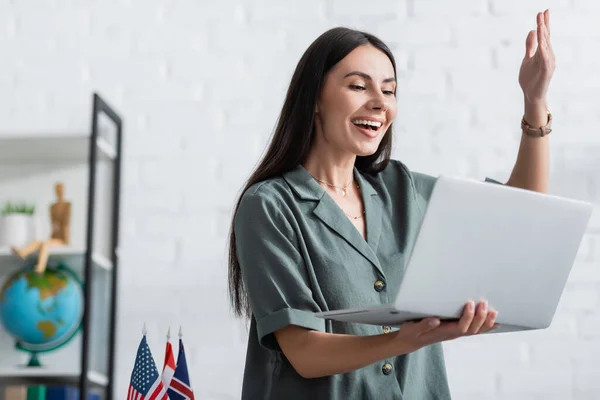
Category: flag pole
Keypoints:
(145, 381)
(180, 386)
(169, 364)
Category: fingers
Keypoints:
(421, 327)
(419, 333)
(428, 324)
(490, 321)
(547, 27)
(467, 318)
(542, 29)
(474, 320)
(453, 330)
(539, 39)
(545, 30)
(541, 33)
(444, 331)
(531, 44)
(544, 47)
(480, 318)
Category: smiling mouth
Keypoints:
(368, 128)
(372, 125)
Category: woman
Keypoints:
(326, 219)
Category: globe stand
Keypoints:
(34, 361)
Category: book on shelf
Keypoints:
(67, 393)
(39, 392)
(62, 393)
(36, 392)
(15, 393)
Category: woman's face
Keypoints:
(357, 103)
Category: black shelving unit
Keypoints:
(100, 106)
(100, 274)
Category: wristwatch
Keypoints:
(537, 132)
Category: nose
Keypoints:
(379, 103)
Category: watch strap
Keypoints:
(537, 132)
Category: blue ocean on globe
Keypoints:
(41, 311)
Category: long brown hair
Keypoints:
(295, 131)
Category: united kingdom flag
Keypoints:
(180, 388)
(145, 382)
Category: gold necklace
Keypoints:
(353, 217)
(342, 193)
(340, 189)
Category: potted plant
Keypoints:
(17, 224)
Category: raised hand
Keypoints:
(538, 64)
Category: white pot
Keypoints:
(35, 228)
(16, 230)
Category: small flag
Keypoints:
(169, 367)
(145, 382)
(180, 388)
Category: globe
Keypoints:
(43, 312)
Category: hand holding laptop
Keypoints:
(474, 320)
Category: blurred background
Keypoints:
(199, 86)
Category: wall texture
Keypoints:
(200, 84)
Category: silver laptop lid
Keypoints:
(511, 246)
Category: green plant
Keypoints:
(10, 207)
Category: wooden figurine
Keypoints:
(60, 220)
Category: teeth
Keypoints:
(365, 122)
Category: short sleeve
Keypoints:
(273, 270)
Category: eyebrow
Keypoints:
(368, 77)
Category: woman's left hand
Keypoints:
(538, 64)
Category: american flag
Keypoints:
(145, 381)
(180, 388)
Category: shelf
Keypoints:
(48, 376)
(31, 159)
(40, 149)
(73, 257)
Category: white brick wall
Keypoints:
(200, 84)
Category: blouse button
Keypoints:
(387, 329)
(379, 285)
(386, 369)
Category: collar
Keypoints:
(307, 188)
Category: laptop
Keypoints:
(511, 246)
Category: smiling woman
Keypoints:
(325, 222)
